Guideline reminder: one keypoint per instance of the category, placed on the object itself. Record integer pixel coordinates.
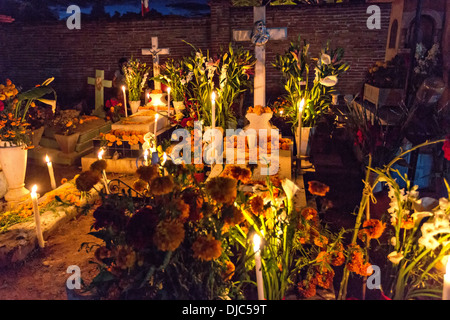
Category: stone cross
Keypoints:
(259, 36)
(155, 51)
(99, 82)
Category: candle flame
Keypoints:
(100, 154)
(156, 116)
(47, 159)
(34, 189)
(213, 96)
(301, 105)
(146, 153)
(256, 242)
(123, 88)
(164, 158)
(168, 90)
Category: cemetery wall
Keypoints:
(30, 53)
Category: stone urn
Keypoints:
(13, 160)
(134, 105)
(67, 144)
(36, 135)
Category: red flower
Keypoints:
(446, 148)
(2, 106)
(359, 138)
(185, 121)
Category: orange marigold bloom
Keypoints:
(63, 180)
(318, 188)
(207, 248)
(169, 235)
(357, 264)
(324, 278)
(184, 209)
(162, 185)
(222, 189)
(320, 241)
(372, 229)
(306, 289)
(257, 205)
(229, 271)
(309, 213)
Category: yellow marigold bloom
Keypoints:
(2, 97)
(169, 235)
(207, 248)
(68, 124)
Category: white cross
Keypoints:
(155, 51)
(259, 14)
(99, 82)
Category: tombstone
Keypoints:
(100, 83)
(155, 51)
(259, 36)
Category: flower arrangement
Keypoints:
(174, 75)
(228, 75)
(66, 122)
(391, 74)
(14, 111)
(114, 109)
(117, 137)
(136, 74)
(295, 66)
(259, 110)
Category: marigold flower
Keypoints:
(222, 189)
(357, 264)
(372, 229)
(306, 289)
(309, 213)
(229, 271)
(207, 248)
(87, 180)
(140, 185)
(169, 235)
(147, 173)
(63, 180)
(257, 205)
(125, 257)
(184, 208)
(99, 165)
(162, 185)
(324, 278)
(318, 188)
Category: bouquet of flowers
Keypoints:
(136, 75)
(174, 75)
(66, 122)
(14, 110)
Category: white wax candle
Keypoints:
(446, 289)
(168, 101)
(213, 110)
(164, 162)
(125, 101)
(51, 172)
(258, 266)
(156, 124)
(105, 179)
(37, 216)
(299, 127)
(148, 98)
(146, 157)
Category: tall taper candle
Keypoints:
(51, 172)
(125, 101)
(258, 266)
(213, 110)
(105, 179)
(446, 289)
(156, 125)
(37, 216)
(168, 101)
(299, 127)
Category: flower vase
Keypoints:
(306, 134)
(179, 107)
(68, 143)
(134, 105)
(13, 160)
(36, 135)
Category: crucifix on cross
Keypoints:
(259, 37)
(100, 83)
(155, 51)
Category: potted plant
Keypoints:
(295, 66)
(64, 125)
(136, 75)
(14, 140)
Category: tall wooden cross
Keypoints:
(99, 82)
(259, 36)
(155, 51)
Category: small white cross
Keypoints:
(155, 51)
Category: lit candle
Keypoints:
(125, 101)
(446, 289)
(258, 267)
(213, 110)
(299, 127)
(50, 172)
(105, 179)
(148, 97)
(156, 124)
(168, 101)
(37, 216)
(164, 162)
(146, 157)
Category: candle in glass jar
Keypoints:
(51, 172)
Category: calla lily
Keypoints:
(329, 81)
(289, 188)
(395, 257)
(50, 103)
(418, 216)
(326, 59)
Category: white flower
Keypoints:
(444, 204)
(289, 188)
(418, 216)
(329, 81)
(395, 257)
(326, 59)
(428, 242)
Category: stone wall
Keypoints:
(31, 53)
